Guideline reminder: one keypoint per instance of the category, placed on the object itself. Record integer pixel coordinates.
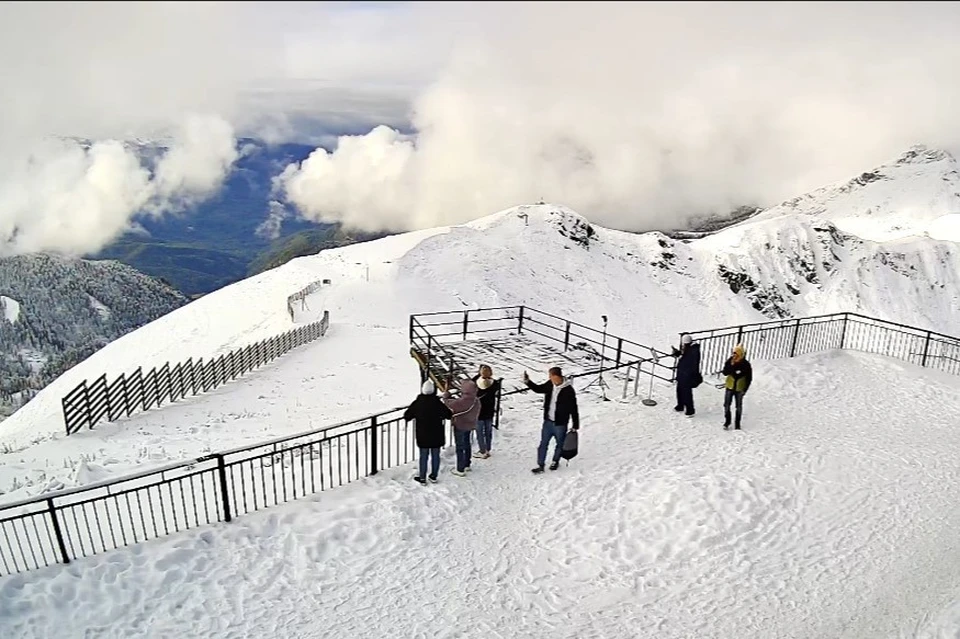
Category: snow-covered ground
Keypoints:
(545, 257)
(10, 309)
(833, 514)
(794, 259)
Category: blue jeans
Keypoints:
(485, 435)
(427, 452)
(462, 438)
(550, 431)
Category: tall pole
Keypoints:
(603, 354)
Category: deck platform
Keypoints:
(510, 356)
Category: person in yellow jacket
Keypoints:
(739, 377)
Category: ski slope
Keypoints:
(833, 514)
(544, 256)
(362, 365)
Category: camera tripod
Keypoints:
(598, 380)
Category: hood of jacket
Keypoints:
(468, 389)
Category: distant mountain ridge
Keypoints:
(214, 243)
(307, 243)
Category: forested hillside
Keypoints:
(58, 311)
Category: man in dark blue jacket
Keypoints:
(559, 409)
(688, 374)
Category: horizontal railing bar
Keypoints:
(365, 421)
(472, 310)
(63, 492)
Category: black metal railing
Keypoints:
(65, 525)
(850, 331)
(429, 332)
(69, 524)
(101, 400)
(301, 296)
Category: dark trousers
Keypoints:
(728, 398)
(685, 399)
(462, 440)
(434, 454)
(548, 432)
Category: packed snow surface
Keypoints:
(10, 308)
(832, 514)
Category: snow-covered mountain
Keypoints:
(883, 243)
(831, 507)
(55, 312)
(789, 260)
(918, 194)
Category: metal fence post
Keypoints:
(566, 337)
(520, 324)
(374, 446)
(411, 329)
(86, 401)
(843, 331)
(796, 333)
(740, 335)
(57, 532)
(496, 422)
(466, 318)
(429, 351)
(224, 495)
(619, 351)
(926, 350)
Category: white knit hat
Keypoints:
(686, 339)
(428, 388)
(484, 383)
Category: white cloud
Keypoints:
(643, 114)
(114, 71)
(270, 227)
(638, 114)
(73, 199)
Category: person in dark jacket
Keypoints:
(688, 374)
(559, 409)
(739, 374)
(429, 413)
(487, 390)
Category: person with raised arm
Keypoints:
(559, 410)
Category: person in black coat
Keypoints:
(429, 414)
(688, 374)
(487, 394)
(559, 409)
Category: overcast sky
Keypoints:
(636, 115)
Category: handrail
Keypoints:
(214, 473)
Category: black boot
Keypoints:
(537, 470)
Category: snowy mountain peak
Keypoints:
(921, 154)
(917, 194)
(561, 219)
